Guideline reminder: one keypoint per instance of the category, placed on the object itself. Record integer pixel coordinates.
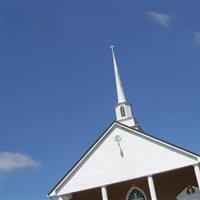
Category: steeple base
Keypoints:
(124, 114)
(128, 122)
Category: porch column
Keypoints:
(197, 173)
(152, 188)
(104, 193)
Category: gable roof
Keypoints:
(98, 141)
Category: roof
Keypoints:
(141, 133)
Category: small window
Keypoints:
(136, 193)
(122, 110)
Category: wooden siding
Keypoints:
(137, 156)
(168, 185)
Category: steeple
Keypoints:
(120, 92)
(123, 108)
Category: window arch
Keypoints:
(136, 193)
(122, 111)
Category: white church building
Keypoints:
(125, 163)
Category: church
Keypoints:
(125, 163)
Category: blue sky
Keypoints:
(57, 81)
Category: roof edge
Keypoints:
(178, 148)
(161, 140)
(82, 157)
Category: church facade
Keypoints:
(125, 163)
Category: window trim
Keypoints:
(137, 188)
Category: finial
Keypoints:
(112, 46)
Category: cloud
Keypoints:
(160, 18)
(197, 37)
(10, 161)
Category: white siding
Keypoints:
(105, 165)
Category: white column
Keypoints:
(60, 198)
(152, 188)
(104, 193)
(197, 173)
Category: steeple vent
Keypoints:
(123, 108)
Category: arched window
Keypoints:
(136, 193)
(122, 110)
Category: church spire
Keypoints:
(120, 91)
(123, 108)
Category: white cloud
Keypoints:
(11, 161)
(160, 18)
(197, 37)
